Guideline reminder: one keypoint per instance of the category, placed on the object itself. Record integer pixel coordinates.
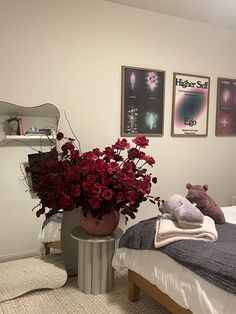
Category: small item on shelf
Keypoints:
(21, 127)
(13, 125)
(37, 131)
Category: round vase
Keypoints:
(100, 227)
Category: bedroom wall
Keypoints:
(69, 53)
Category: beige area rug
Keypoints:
(24, 275)
(72, 301)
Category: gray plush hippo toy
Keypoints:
(178, 208)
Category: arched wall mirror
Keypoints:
(19, 124)
(19, 226)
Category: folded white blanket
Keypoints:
(167, 231)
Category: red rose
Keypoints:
(109, 153)
(74, 154)
(141, 141)
(114, 166)
(133, 153)
(130, 184)
(141, 155)
(68, 146)
(145, 187)
(128, 166)
(121, 144)
(75, 190)
(117, 185)
(97, 189)
(150, 160)
(89, 155)
(86, 186)
(97, 152)
(94, 202)
(99, 164)
(105, 180)
(65, 201)
(121, 176)
(122, 196)
(107, 194)
(134, 197)
(91, 178)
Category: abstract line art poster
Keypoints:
(190, 105)
(142, 101)
(226, 107)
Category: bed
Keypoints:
(176, 287)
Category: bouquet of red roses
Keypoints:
(99, 181)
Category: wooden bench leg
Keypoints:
(134, 291)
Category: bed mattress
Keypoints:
(181, 284)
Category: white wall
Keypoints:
(70, 52)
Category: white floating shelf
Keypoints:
(29, 138)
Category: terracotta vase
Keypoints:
(100, 227)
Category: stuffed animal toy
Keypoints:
(197, 194)
(178, 208)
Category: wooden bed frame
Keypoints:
(51, 245)
(137, 282)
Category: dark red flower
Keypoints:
(141, 141)
(108, 153)
(97, 189)
(128, 166)
(150, 160)
(134, 197)
(91, 178)
(94, 202)
(133, 153)
(65, 201)
(75, 155)
(75, 190)
(97, 152)
(121, 176)
(68, 146)
(107, 194)
(89, 155)
(121, 144)
(86, 186)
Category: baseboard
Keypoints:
(19, 255)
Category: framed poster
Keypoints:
(142, 106)
(190, 105)
(226, 107)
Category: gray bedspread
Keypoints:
(214, 261)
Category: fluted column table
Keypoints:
(95, 253)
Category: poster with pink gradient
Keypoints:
(190, 105)
(142, 101)
(226, 107)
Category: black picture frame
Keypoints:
(142, 104)
(226, 107)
